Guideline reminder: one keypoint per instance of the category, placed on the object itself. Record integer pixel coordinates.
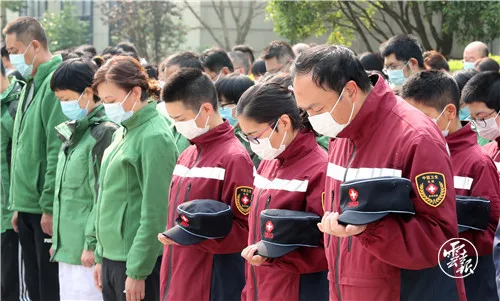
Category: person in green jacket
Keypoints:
(229, 91)
(134, 184)
(10, 90)
(85, 137)
(34, 154)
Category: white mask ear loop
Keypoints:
(449, 121)
(338, 100)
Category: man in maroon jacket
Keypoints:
(215, 167)
(436, 94)
(379, 134)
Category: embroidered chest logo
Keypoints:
(269, 230)
(353, 195)
(431, 188)
(243, 199)
(184, 221)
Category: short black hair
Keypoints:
(191, 87)
(27, 29)
(232, 87)
(128, 47)
(332, 67)
(266, 102)
(2, 69)
(487, 64)
(4, 51)
(280, 50)
(372, 61)
(404, 47)
(432, 88)
(463, 76)
(74, 74)
(247, 50)
(259, 67)
(152, 71)
(87, 51)
(240, 59)
(483, 87)
(215, 59)
(184, 59)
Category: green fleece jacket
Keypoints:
(133, 197)
(77, 175)
(35, 143)
(9, 99)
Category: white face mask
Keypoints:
(265, 150)
(116, 112)
(189, 129)
(326, 125)
(435, 120)
(491, 130)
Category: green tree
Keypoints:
(64, 29)
(379, 20)
(11, 5)
(154, 27)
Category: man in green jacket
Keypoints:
(34, 154)
(10, 89)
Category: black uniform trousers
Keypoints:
(114, 276)
(10, 266)
(41, 277)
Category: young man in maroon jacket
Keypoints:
(217, 167)
(379, 134)
(436, 94)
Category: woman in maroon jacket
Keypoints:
(290, 176)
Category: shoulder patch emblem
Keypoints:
(243, 199)
(431, 187)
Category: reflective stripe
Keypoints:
(463, 182)
(497, 164)
(338, 172)
(280, 184)
(215, 173)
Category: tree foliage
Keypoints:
(436, 23)
(12, 5)
(154, 27)
(64, 29)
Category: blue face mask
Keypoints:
(19, 62)
(227, 113)
(396, 77)
(464, 113)
(116, 112)
(468, 65)
(72, 109)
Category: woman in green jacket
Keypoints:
(134, 184)
(84, 138)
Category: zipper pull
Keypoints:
(267, 202)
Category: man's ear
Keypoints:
(225, 71)
(413, 63)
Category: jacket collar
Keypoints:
(220, 132)
(303, 144)
(14, 86)
(143, 115)
(46, 68)
(70, 132)
(374, 110)
(461, 139)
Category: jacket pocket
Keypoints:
(123, 221)
(76, 171)
(368, 288)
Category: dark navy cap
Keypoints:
(368, 200)
(283, 231)
(472, 213)
(198, 220)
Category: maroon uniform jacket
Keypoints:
(395, 258)
(293, 181)
(216, 167)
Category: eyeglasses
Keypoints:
(255, 139)
(481, 122)
(394, 67)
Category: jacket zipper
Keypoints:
(59, 184)
(337, 284)
(267, 202)
(255, 219)
(169, 272)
